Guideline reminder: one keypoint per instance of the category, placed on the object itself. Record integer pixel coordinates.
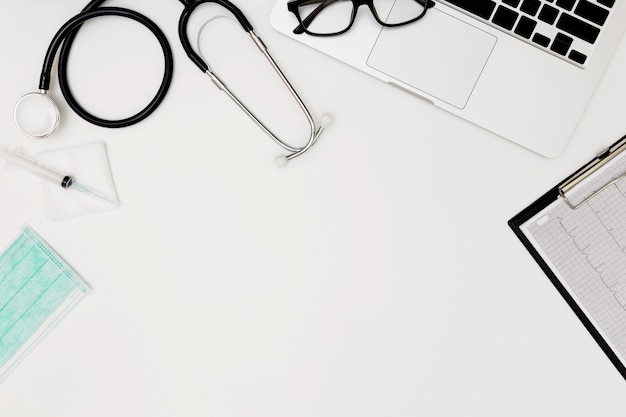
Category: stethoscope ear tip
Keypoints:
(326, 120)
(280, 161)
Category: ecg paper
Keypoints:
(586, 249)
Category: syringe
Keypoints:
(16, 158)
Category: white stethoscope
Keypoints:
(37, 115)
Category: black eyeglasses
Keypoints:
(334, 17)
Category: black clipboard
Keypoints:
(561, 192)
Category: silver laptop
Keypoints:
(523, 69)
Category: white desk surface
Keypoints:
(374, 276)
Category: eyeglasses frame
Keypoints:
(293, 6)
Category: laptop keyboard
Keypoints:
(568, 29)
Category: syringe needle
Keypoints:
(90, 191)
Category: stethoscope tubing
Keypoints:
(184, 21)
(65, 36)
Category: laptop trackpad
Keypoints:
(439, 55)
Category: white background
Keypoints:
(374, 276)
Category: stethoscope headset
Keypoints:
(62, 42)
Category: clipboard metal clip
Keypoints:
(585, 172)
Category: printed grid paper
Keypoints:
(586, 248)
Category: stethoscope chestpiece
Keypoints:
(36, 115)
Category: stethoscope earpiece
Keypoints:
(326, 121)
(281, 160)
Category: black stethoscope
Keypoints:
(37, 115)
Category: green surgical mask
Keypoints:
(36, 288)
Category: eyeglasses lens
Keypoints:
(404, 11)
(326, 17)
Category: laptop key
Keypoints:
(530, 7)
(548, 14)
(566, 4)
(505, 17)
(525, 27)
(542, 40)
(561, 44)
(576, 56)
(480, 8)
(607, 3)
(591, 12)
(578, 28)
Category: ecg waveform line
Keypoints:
(603, 242)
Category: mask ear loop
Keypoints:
(315, 131)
